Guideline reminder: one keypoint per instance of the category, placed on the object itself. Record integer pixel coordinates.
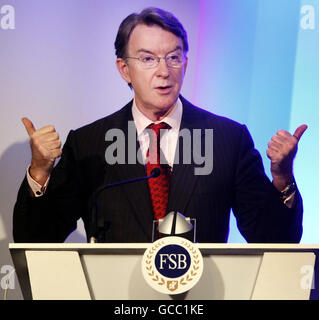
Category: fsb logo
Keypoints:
(172, 261)
(172, 265)
(175, 260)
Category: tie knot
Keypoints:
(159, 126)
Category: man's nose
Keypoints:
(162, 68)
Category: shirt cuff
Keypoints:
(35, 188)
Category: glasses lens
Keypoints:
(175, 60)
(148, 61)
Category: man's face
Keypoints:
(156, 89)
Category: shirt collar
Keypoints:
(173, 118)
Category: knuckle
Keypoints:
(51, 128)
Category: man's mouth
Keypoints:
(164, 89)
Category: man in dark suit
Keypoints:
(151, 50)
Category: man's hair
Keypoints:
(149, 16)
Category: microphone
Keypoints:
(156, 172)
(95, 228)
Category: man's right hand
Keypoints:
(45, 147)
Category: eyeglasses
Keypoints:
(148, 61)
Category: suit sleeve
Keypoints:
(52, 217)
(261, 214)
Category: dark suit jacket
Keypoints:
(237, 181)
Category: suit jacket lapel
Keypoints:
(137, 193)
(183, 178)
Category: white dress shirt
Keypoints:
(168, 139)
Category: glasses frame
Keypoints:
(158, 59)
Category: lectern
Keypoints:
(113, 271)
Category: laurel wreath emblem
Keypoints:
(153, 274)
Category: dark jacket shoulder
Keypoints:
(196, 114)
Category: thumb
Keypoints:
(300, 131)
(28, 126)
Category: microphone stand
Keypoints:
(95, 228)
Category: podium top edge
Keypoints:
(225, 246)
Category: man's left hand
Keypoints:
(281, 151)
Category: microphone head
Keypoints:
(156, 172)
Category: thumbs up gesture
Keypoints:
(281, 151)
(45, 147)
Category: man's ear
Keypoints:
(122, 67)
(185, 64)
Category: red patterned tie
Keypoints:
(159, 187)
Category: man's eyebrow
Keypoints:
(144, 50)
(150, 52)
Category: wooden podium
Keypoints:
(113, 272)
